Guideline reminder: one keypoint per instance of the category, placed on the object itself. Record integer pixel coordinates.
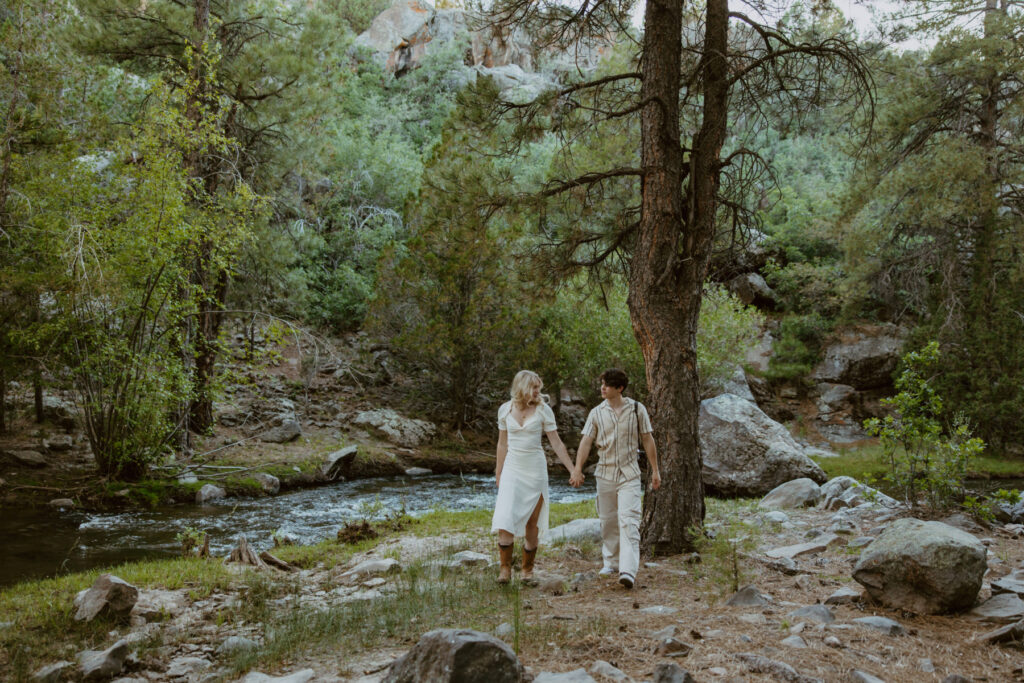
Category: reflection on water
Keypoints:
(43, 543)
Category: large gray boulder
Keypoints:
(405, 33)
(863, 357)
(392, 27)
(923, 567)
(752, 289)
(284, 428)
(746, 453)
(450, 655)
(26, 457)
(108, 596)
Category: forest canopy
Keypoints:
(173, 171)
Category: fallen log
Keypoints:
(277, 563)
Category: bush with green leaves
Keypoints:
(927, 464)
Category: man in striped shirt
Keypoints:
(617, 426)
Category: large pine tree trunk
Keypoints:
(670, 262)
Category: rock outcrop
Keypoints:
(746, 453)
(922, 567)
(864, 357)
(410, 30)
(402, 431)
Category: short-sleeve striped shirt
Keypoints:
(617, 438)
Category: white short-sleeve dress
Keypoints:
(524, 477)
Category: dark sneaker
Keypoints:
(626, 580)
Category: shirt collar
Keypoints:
(625, 399)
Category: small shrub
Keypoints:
(353, 532)
(722, 551)
(922, 458)
(194, 542)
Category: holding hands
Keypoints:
(576, 478)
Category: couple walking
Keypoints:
(618, 426)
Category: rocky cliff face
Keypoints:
(402, 35)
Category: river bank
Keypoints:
(342, 625)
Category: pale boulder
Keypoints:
(746, 453)
(399, 430)
(793, 494)
(109, 596)
(922, 567)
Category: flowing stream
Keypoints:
(43, 542)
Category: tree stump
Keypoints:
(244, 554)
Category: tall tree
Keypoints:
(699, 66)
(941, 209)
(241, 67)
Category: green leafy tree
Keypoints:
(698, 70)
(245, 71)
(923, 460)
(109, 231)
(937, 227)
(453, 301)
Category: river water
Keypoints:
(40, 543)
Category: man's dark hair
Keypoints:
(615, 378)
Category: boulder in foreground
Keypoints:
(450, 655)
(923, 567)
(109, 596)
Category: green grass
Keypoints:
(463, 598)
(42, 629)
(868, 463)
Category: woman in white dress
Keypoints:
(522, 471)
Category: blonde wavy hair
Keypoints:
(523, 382)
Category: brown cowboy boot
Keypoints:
(505, 553)
(528, 557)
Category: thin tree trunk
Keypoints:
(37, 395)
(198, 414)
(208, 330)
(3, 400)
(670, 262)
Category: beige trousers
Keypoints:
(619, 508)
